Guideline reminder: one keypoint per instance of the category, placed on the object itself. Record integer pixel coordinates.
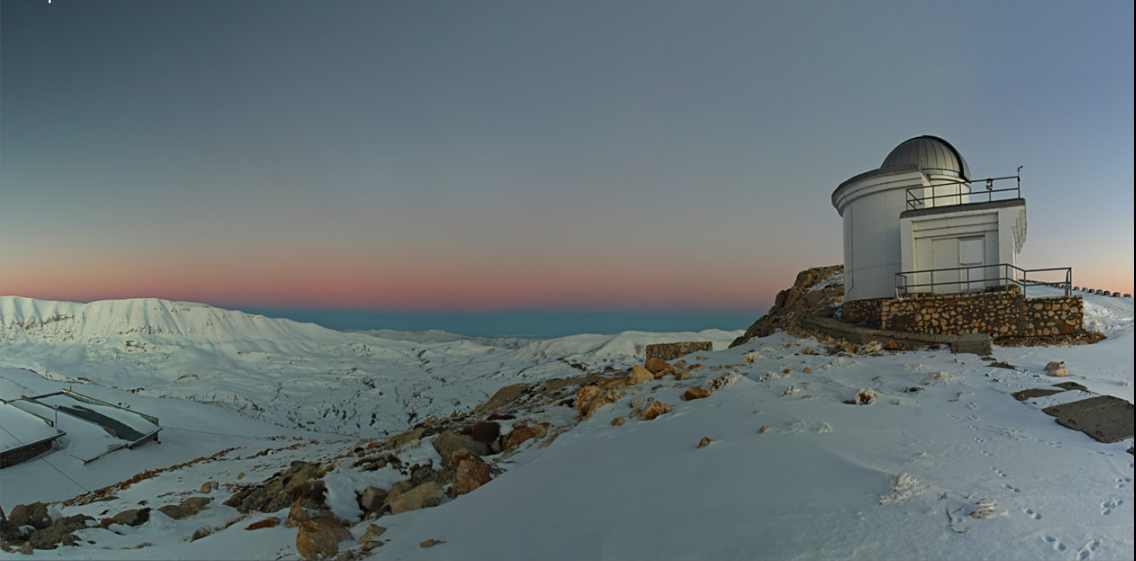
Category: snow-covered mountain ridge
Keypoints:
(28, 318)
(292, 374)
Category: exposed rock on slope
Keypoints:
(814, 289)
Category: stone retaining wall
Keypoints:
(26, 452)
(670, 351)
(1002, 314)
(863, 312)
(1059, 315)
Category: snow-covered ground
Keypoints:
(296, 375)
(943, 464)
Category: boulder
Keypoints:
(504, 396)
(373, 533)
(270, 522)
(300, 482)
(297, 514)
(430, 543)
(397, 489)
(404, 438)
(208, 486)
(50, 536)
(372, 499)
(590, 398)
(132, 517)
(486, 432)
(34, 514)
(617, 422)
(447, 443)
(518, 437)
(320, 537)
(461, 455)
(187, 508)
(639, 374)
(472, 473)
(653, 410)
(428, 494)
(705, 442)
(697, 392)
(656, 365)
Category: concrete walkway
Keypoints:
(1105, 418)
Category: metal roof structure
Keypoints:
(927, 152)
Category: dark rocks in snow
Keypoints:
(486, 432)
(320, 537)
(472, 473)
(301, 482)
(372, 499)
(187, 508)
(34, 514)
(428, 494)
(132, 517)
(447, 443)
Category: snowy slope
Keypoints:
(955, 470)
(295, 375)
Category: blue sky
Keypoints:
(489, 156)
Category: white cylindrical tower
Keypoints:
(922, 172)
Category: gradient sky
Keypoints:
(485, 156)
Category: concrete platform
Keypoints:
(1066, 409)
(1105, 418)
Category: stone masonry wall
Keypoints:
(24, 453)
(1002, 314)
(669, 351)
(1059, 315)
(863, 312)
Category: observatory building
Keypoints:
(930, 249)
(920, 223)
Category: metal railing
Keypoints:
(918, 199)
(961, 279)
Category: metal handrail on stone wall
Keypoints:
(1006, 278)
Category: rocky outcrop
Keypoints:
(504, 396)
(300, 483)
(590, 398)
(814, 289)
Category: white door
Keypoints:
(972, 253)
(945, 253)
